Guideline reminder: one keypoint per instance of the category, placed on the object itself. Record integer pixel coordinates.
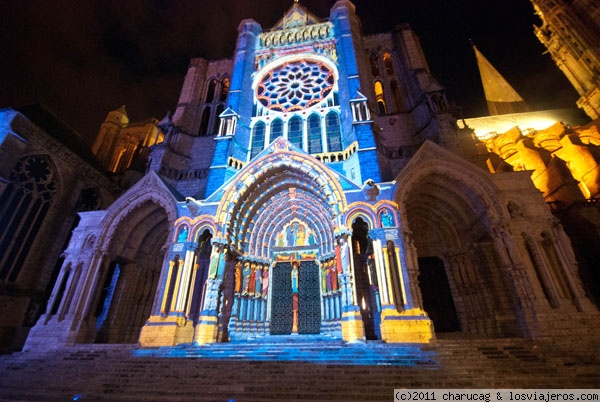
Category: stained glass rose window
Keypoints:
(295, 86)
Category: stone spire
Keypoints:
(500, 96)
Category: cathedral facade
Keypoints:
(316, 183)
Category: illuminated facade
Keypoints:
(120, 142)
(315, 183)
(571, 32)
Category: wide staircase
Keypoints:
(290, 368)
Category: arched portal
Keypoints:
(364, 277)
(279, 222)
(449, 237)
(129, 279)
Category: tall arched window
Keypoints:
(396, 95)
(388, 63)
(224, 89)
(258, 139)
(374, 64)
(276, 129)
(210, 93)
(217, 120)
(204, 122)
(380, 98)
(295, 131)
(334, 134)
(315, 145)
(23, 208)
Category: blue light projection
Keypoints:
(110, 292)
(295, 86)
(303, 348)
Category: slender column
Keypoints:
(379, 269)
(562, 244)
(388, 284)
(403, 275)
(352, 325)
(66, 268)
(513, 265)
(412, 264)
(70, 291)
(191, 287)
(185, 278)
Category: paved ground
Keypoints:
(299, 369)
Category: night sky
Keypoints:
(82, 58)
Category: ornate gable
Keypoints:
(296, 16)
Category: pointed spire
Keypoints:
(500, 96)
(122, 110)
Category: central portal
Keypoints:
(296, 298)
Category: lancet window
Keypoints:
(258, 139)
(23, 207)
(295, 131)
(388, 63)
(315, 144)
(276, 129)
(380, 98)
(334, 135)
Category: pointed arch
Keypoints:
(134, 236)
(388, 63)
(374, 62)
(33, 188)
(333, 132)
(276, 129)
(380, 97)
(315, 141)
(211, 91)
(451, 218)
(397, 95)
(225, 84)
(258, 139)
(259, 198)
(204, 121)
(295, 134)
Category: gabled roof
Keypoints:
(296, 16)
(45, 119)
(228, 113)
(359, 97)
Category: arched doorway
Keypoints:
(281, 221)
(462, 282)
(437, 296)
(130, 276)
(362, 254)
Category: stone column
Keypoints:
(562, 245)
(207, 328)
(353, 329)
(168, 324)
(525, 300)
(411, 325)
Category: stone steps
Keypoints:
(261, 370)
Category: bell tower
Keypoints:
(571, 33)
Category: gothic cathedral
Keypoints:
(315, 183)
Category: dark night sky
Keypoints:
(82, 58)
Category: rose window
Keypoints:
(295, 86)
